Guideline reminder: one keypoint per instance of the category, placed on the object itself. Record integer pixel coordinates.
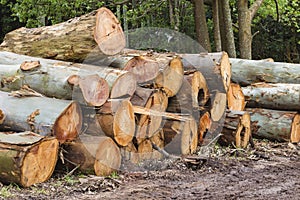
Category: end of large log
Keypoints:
(235, 97)
(295, 130)
(68, 124)
(27, 158)
(108, 32)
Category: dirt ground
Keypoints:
(269, 171)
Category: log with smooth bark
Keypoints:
(56, 78)
(45, 116)
(98, 32)
(27, 158)
(247, 72)
(116, 118)
(275, 125)
(235, 97)
(277, 96)
(98, 155)
(152, 99)
(237, 129)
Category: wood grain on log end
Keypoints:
(295, 130)
(108, 158)
(170, 79)
(124, 86)
(235, 98)
(27, 158)
(204, 126)
(2, 116)
(218, 106)
(108, 32)
(145, 69)
(95, 90)
(117, 121)
(68, 124)
(236, 130)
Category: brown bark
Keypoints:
(201, 25)
(229, 37)
(282, 126)
(98, 32)
(237, 129)
(27, 158)
(45, 116)
(116, 118)
(93, 154)
(235, 98)
(216, 23)
(246, 72)
(273, 96)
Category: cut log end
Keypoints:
(235, 98)
(108, 32)
(124, 126)
(39, 163)
(124, 86)
(108, 158)
(218, 106)
(144, 69)
(68, 125)
(2, 116)
(204, 126)
(243, 132)
(95, 90)
(295, 130)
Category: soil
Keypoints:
(268, 171)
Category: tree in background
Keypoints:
(245, 17)
(274, 30)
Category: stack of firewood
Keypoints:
(138, 105)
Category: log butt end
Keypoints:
(39, 163)
(295, 131)
(108, 32)
(108, 158)
(68, 124)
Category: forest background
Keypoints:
(251, 29)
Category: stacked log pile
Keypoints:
(125, 105)
(271, 91)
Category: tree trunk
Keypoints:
(245, 17)
(229, 37)
(273, 96)
(282, 126)
(98, 32)
(216, 23)
(235, 98)
(45, 116)
(246, 72)
(201, 25)
(117, 121)
(237, 129)
(54, 78)
(94, 154)
(27, 158)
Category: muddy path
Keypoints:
(270, 171)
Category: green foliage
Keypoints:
(39, 12)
